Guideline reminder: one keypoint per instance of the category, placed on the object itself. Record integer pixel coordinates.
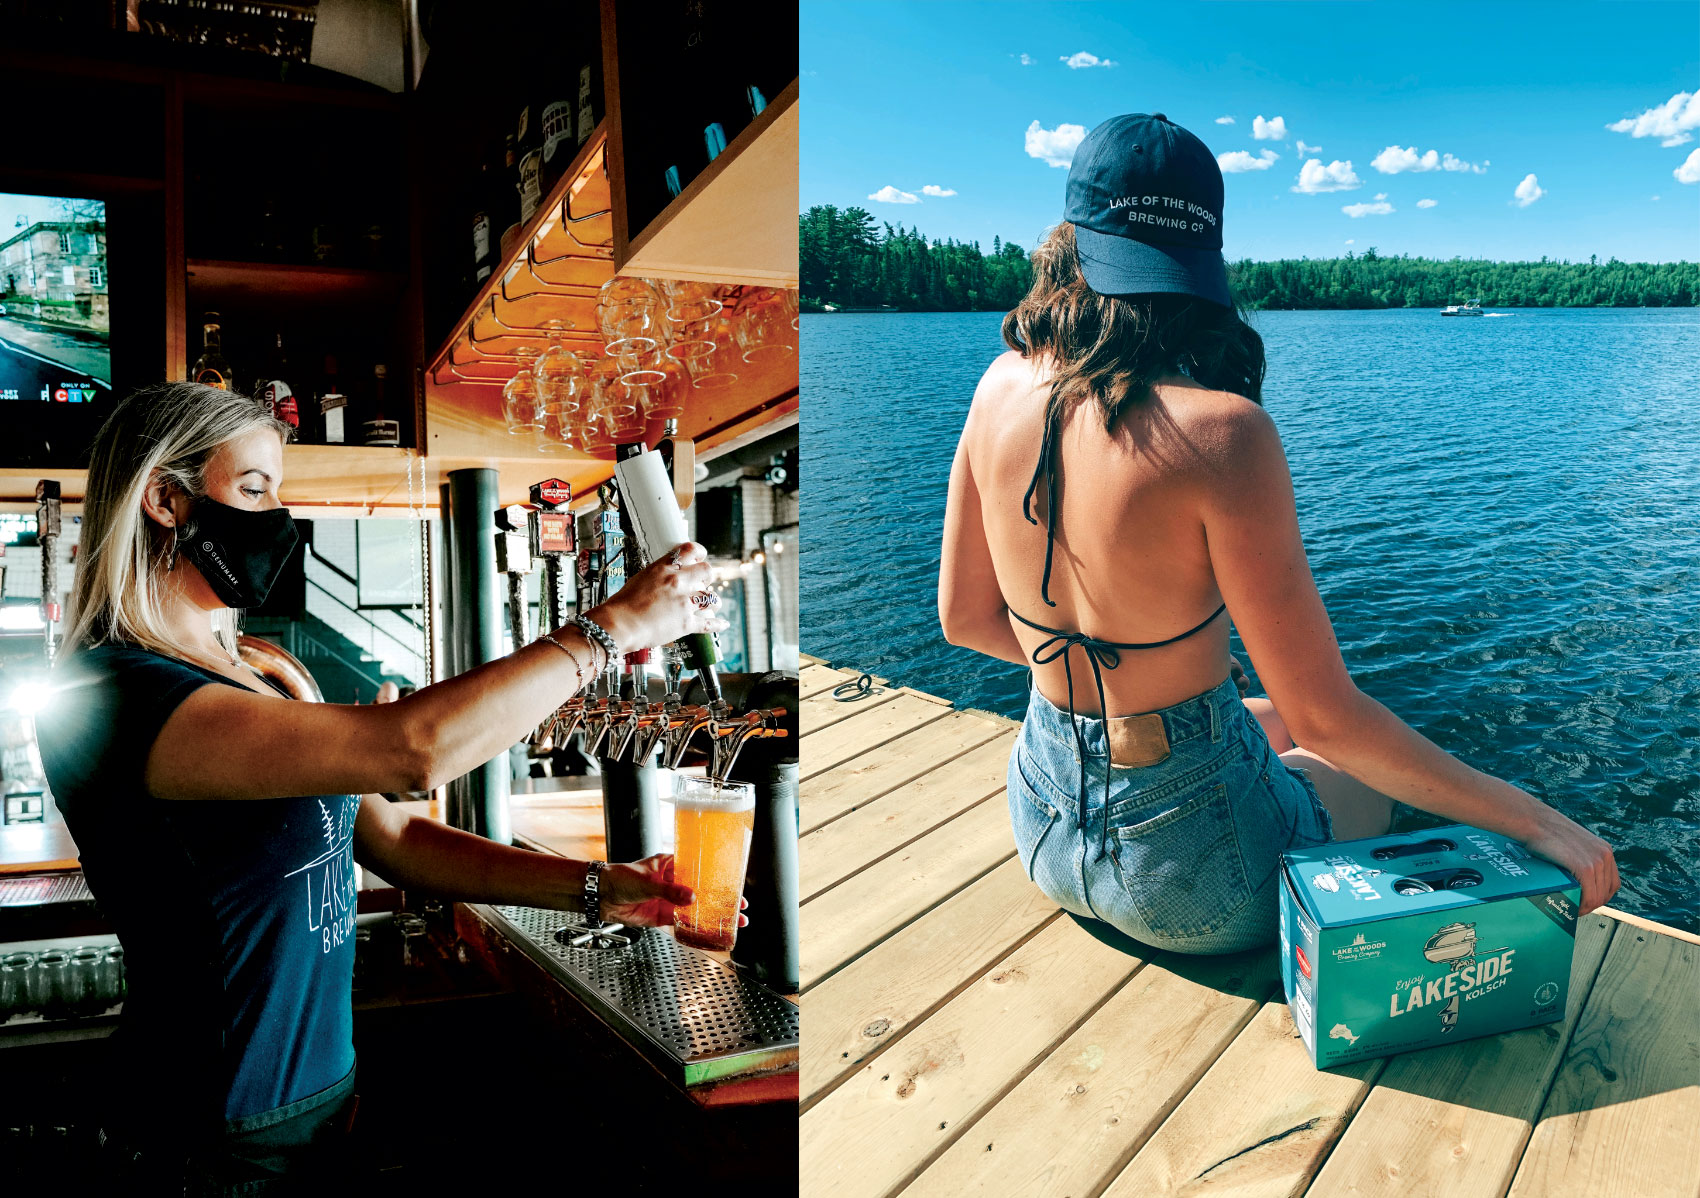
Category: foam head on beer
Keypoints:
(1394, 943)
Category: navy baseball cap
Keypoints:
(1145, 199)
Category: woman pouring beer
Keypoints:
(219, 821)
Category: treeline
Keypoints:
(848, 259)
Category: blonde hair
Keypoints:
(168, 431)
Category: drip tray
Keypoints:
(695, 1018)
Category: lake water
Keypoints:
(1503, 517)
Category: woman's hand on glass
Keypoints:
(643, 893)
(663, 601)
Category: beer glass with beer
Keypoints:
(714, 822)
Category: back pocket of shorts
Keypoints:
(1183, 868)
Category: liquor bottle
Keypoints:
(380, 430)
(560, 142)
(528, 145)
(333, 405)
(508, 201)
(211, 368)
(274, 391)
(484, 244)
(589, 104)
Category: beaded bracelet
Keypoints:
(578, 666)
(597, 635)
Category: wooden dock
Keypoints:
(965, 1036)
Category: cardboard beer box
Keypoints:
(1394, 943)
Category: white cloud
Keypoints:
(1314, 178)
(1224, 120)
(1025, 60)
(1306, 150)
(1427, 203)
(1381, 195)
(1657, 198)
(1055, 146)
(1380, 208)
(1528, 191)
(1671, 122)
(1395, 159)
(1351, 241)
(1082, 60)
(1689, 171)
(890, 195)
(933, 189)
(1275, 130)
(1237, 161)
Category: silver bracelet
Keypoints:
(597, 634)
(578, 666)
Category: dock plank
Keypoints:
(1620, 1119)
(824, 709)
(812, 680)
(828, 855)
(874, 1001)
(852, 917)
(1455, 1119)
(864, 728)
(1259, 1122)
(828, 794)
(1076, 1119)
(871, 1135)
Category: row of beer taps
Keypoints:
(616, 728)
(632, 729)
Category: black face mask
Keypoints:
(240, 553)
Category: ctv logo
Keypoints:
(74, 394)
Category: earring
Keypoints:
(171, 555)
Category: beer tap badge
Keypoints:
(1398, 942)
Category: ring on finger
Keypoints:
(705, 599)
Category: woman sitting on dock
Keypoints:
(218, 821)
(1133, 391)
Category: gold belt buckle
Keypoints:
(1136, 740)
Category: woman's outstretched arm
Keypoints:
(1260, 565)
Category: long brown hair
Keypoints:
(1109, 348)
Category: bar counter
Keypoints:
(471, 1020)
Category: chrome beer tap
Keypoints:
(728, 733)
(683, 724)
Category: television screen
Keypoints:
(55, 318)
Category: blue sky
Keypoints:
(973, 98)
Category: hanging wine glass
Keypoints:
(519, 395)
(559, 372)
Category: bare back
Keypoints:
(1131, 562)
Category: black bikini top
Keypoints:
(1101, 655)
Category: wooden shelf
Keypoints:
(736, 222)
(272, 283)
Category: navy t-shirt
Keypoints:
(236, 916)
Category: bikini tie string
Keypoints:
(1100, 656)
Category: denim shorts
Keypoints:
(1186, 855)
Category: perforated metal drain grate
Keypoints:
(41, 890)
(694, 1017)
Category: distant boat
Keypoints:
(1473, 308)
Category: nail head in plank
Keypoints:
(877, 998)
(832, 853)
(873, 1133)
(851, 918)
(828, 795)
(864, 730)
(1077, 1118)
